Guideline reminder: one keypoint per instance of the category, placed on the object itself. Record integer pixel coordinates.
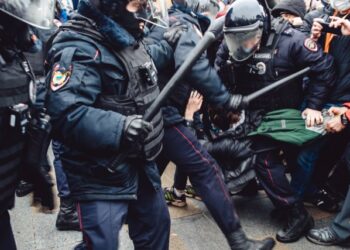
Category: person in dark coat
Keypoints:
(181, 146)
(338, 231)
(262, 52)
(294, 12)
(102, 78)
(304, 176)
(17, 81)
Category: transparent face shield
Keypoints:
(38, 13)
(209, 8)
(243, 42)
(154, 12)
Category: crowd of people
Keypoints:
(266, 106)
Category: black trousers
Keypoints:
(7, 241)
(271, 172)
(341, 223)
(148, 219)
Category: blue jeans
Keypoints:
(302, 176)
(61, 178)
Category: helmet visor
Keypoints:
(154, 12)
(38, 13)
(209, 8)
(241, 43)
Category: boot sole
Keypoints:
(22, 194)
(178, 203)
(68, 228)
(193, 197)
(309, 225)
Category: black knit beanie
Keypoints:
(295, 7)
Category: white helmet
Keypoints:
(38, 13)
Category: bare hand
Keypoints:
(344, 24)
(335, 125)
(316, 30)
(313, 117)
(337, 110)
(194, 104)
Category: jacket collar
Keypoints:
(112, 31)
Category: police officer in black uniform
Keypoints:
(263, 52)
(101, 81)
(181, 146)
(16, 95)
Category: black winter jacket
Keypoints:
(92, 136)
(202, 77)
(292, 54)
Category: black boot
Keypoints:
(67, 218)
(239, 241)
(24, 188)
(298, 223)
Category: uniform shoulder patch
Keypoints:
(60, 76)
(310, 45)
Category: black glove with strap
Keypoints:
(234, 103)
(173, 34)
(136, 129)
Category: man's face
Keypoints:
(288, 17)
(252, 43)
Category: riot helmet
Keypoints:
(209, 8)
(38, 13)
(195, 6)
(272, 3)
(244, 27)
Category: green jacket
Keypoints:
(286, 125)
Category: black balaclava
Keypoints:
(116, 10)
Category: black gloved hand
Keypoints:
(235, 102)
(173, 34)
(136, 129)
